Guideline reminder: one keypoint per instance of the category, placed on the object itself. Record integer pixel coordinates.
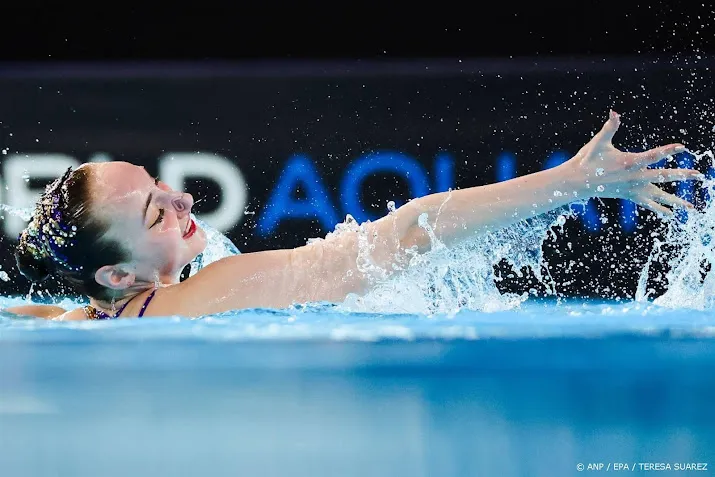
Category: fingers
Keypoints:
(671, 200)
(610, 127)
(653, 206)
(668, 175)
(659, 153)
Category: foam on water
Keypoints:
(328, 322)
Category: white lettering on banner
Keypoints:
(17, 170)
(174, 168)
(100, 157)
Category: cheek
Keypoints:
(161, 253)
(156, 247)
(166, 240)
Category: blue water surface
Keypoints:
(315, 391)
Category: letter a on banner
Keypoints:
(282, 204)
(382, 162)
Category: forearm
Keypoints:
(456, 215)
(452, 216)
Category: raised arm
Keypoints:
(597, 170)
(328, 270)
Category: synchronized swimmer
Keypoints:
(122, 238)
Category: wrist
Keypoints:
(571, 180)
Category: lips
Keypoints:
(191, 228)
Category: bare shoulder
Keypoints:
(265, 279)
(318, 271)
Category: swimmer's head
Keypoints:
(117, 227)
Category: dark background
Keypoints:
(364, 30)
(335, 84)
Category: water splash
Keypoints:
(24, 213)
(691, 283)
(642, 292)
(218, 246)
(445, 280)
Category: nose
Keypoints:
(182, 203)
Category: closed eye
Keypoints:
(159, 218)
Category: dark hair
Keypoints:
(66, 239)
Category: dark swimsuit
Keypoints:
(95, 314)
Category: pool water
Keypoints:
(316, 390)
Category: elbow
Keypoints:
(335, 271)
(411, 234)
(416, 237)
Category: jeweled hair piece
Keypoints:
(48, 234)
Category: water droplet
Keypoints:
(558, 193)
(599, 171)
(422, 220)
(600, 188)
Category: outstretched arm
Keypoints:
(48, 312)
(597, 170)
(329, 269)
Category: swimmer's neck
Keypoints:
(127, 294)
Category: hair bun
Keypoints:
(31, 267)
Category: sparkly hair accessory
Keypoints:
(46, 234)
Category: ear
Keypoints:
(114, 277)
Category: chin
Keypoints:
(199, 241)
(192, 248)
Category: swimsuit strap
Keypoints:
(121, 308)
(95, 314)
(146, 303)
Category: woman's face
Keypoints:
(149, 218)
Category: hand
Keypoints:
(611, 173)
